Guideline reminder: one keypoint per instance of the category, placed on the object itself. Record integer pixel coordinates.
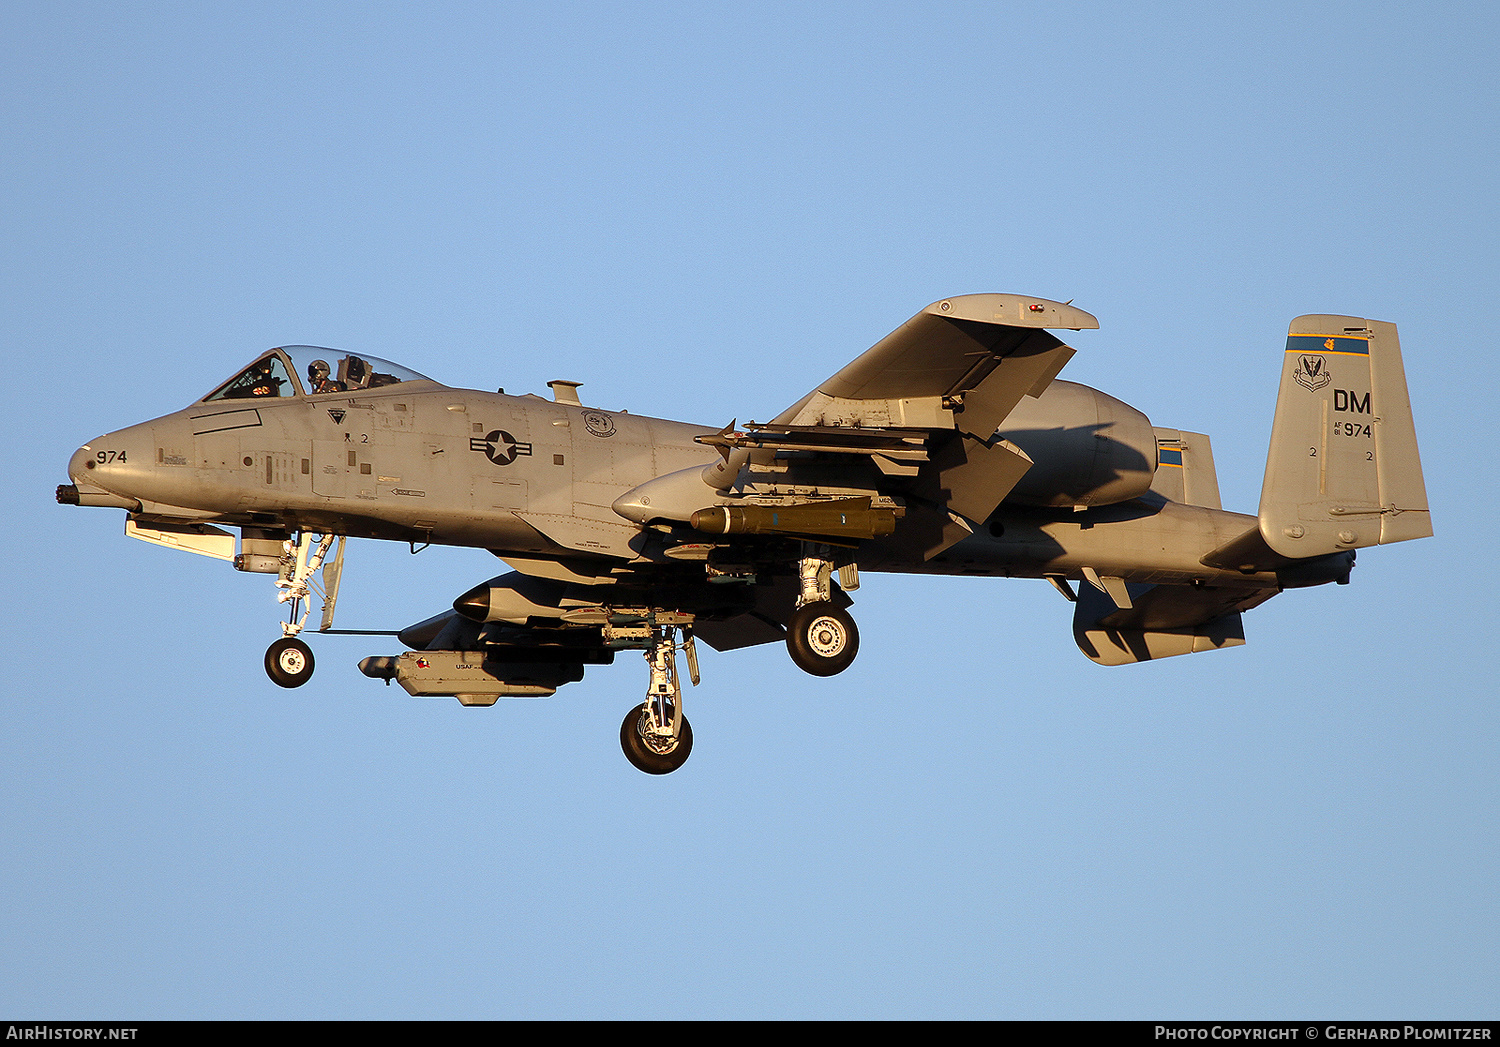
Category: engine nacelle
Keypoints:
(1088, 448)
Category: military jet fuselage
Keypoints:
(948, 448)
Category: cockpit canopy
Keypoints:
(307, 370)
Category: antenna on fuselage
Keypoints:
(565, 392)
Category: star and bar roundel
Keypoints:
(499, 446)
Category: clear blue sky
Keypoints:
(699, 211)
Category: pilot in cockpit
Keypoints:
(262, 381)
(319, 380)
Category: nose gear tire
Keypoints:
(656, 756)
(289, 662)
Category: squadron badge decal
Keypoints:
(1312, 372)
(599, 423)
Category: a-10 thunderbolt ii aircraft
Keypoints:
(947, 448)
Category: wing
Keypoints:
(948, 377)
(903, 439)
(960, 363)
(524, 635)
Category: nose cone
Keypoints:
(82, 464)
(116, 462)
(94, 481)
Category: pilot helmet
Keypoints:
(317, 371)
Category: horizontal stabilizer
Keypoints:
(1161, 621)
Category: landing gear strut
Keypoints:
(821, 637)
(289, 661)
(656, 737)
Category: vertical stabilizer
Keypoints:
(1343, 471)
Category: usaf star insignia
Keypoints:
(499, 447)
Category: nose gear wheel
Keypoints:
(289, 662)
(656, 736)
(649, 750)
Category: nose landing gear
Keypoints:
(656, 737)
(649, 743)
(289, 661)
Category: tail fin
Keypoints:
(1343, 471)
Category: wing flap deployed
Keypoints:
(972, 478)
(925, 403)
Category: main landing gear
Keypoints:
(656, 737)
(821, 637)
(289, 661)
